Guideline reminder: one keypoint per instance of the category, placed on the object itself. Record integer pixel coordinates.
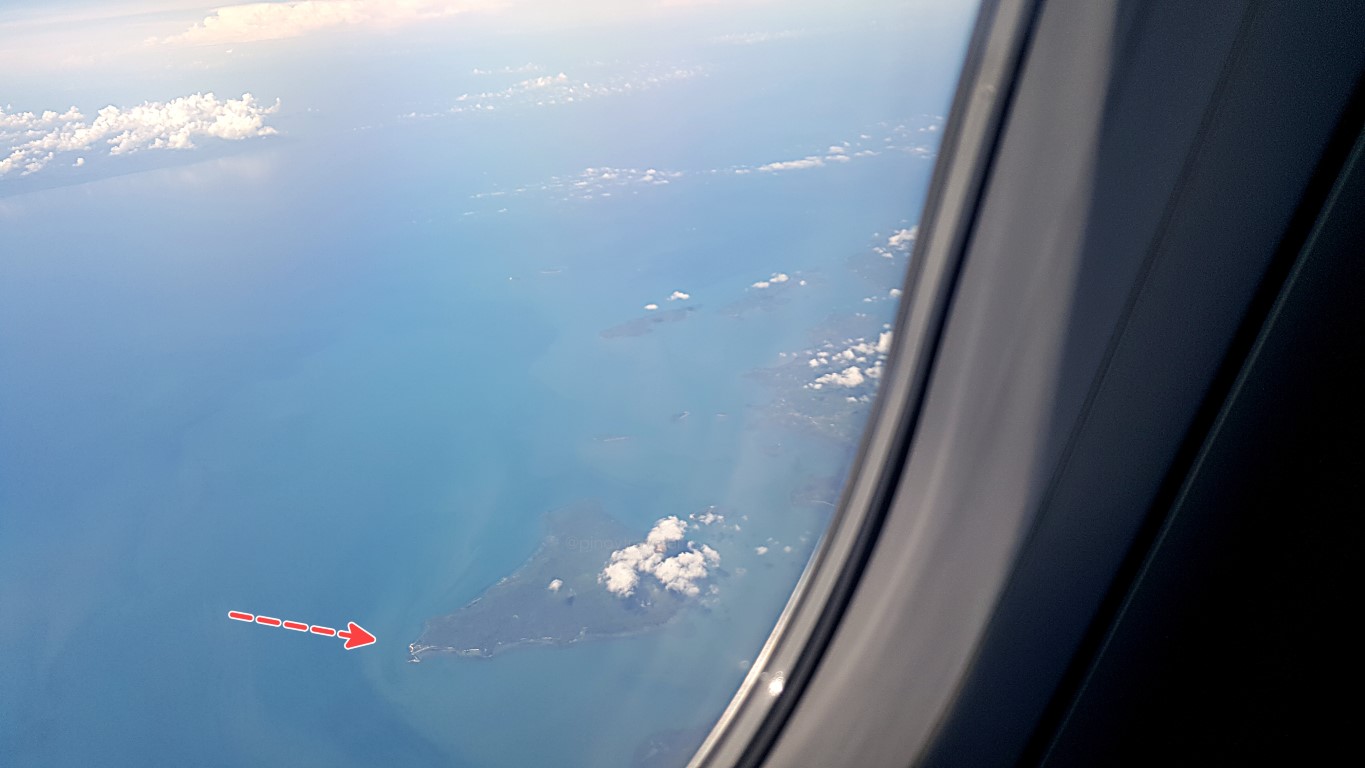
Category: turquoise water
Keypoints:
(316, 378)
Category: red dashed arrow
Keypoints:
(354, 634)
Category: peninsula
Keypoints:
(555, 598)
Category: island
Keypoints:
(559, 596)
(643, 325)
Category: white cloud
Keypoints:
(708, 517)
(679, 572)
(760, 550)
(598, 182)
(794, 165)
(252, 22)
(555, 585)
(36, 139)
(711, 555)
(523, 69)
(679, 296)
(894, 293)
(751, 38)
(868, 357)
(550, 90)
(902, 239)
(666, 531)
(850, 377)
(651, 307)
(777, 278)
(620, 578)
(608, 182)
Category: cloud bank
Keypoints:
(753, 38)
(253, 22)
(560, 88)
(36, 139)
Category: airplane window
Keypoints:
(439, 382)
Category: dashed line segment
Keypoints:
(354, 635)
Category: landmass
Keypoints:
(827, 389)
(643, 325)
(556, 598)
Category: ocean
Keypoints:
(340, 374)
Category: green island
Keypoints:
(554, 598)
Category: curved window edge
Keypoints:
(758, 711)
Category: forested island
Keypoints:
(556, 598)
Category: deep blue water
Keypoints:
(294, 378)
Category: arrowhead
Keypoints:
(355, 636)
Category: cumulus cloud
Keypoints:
(36, 139)
(777, 278)
(620, 577)
(849, 377)
(709, 516)
(679, 296)
(903, 239)
(651, 307)
(680, 572)
(812, 161)
(665, 532)
(677, 572)
(868, 358)
(555, 585)
(252, 22)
